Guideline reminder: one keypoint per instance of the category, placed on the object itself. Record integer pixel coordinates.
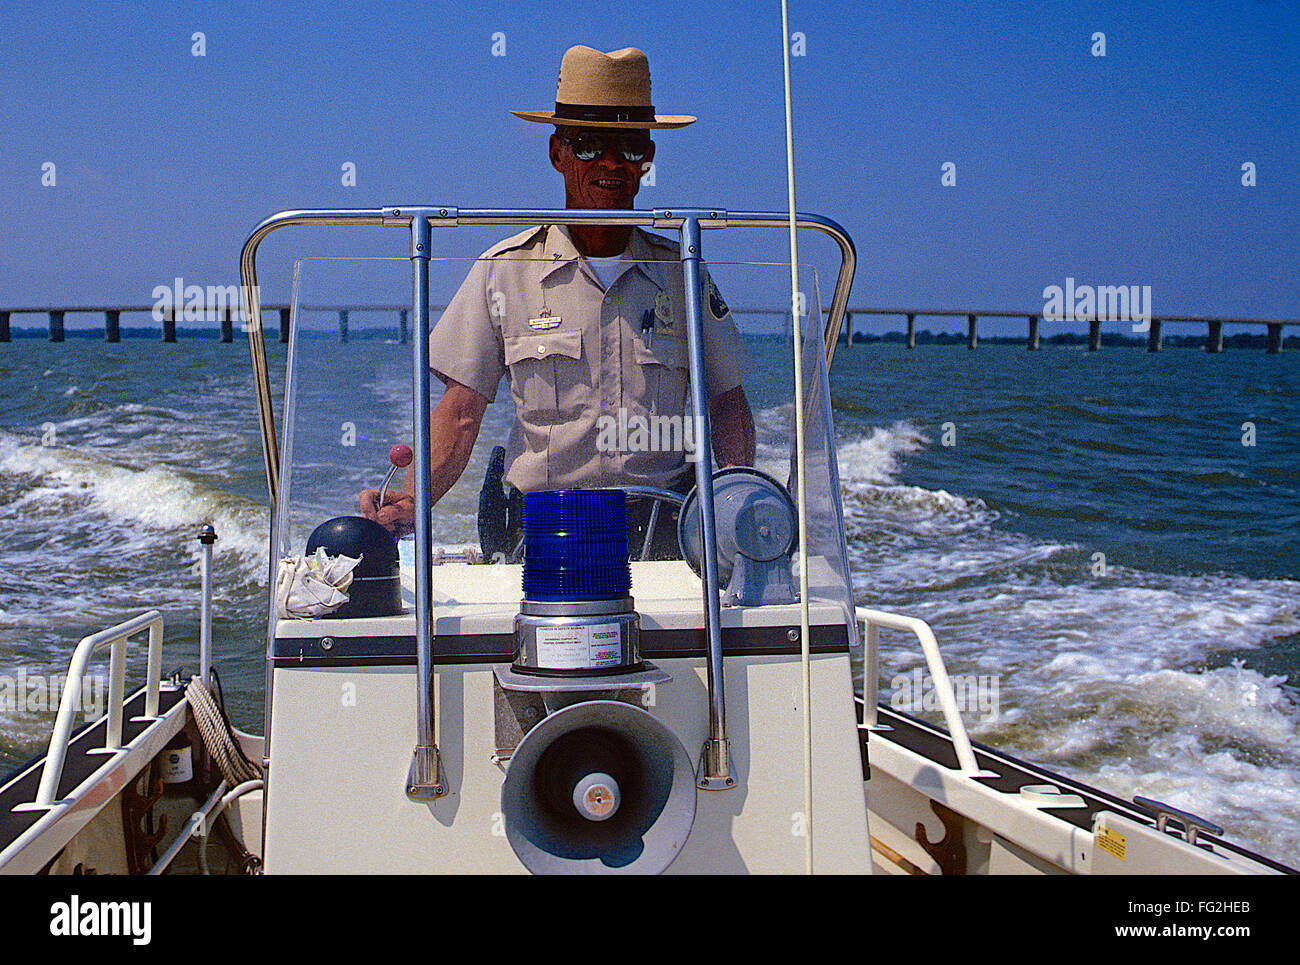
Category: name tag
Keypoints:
(545, 321)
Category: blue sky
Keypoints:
(1123, 169)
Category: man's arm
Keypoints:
(733, 429)
(453, 429)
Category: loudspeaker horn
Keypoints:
(599, 787)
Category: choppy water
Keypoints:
(1163, 674)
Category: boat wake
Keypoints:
(1135, 681)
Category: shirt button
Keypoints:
(541, 350)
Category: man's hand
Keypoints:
(453, 429)
(397, 515)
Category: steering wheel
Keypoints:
(657, 498)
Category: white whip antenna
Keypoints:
(796, 334)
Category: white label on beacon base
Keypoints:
(578, 648)
(606, 646)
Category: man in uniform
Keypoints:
(588, 323)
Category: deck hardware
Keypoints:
(521, 701)
(424, 780)
(138, 842)
(715, 771)
(792, 635)
(1050, 796)
(193, 828)
(1192, 823)
(327, 643)
(948, 852)
(207, 536)
(716, 767)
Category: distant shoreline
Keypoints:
(1242, 340)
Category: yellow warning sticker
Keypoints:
(1112, 842)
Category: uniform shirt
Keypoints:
(585, 374)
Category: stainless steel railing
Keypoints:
(424, 780)
(116, 638)
(872, 621)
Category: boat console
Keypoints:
(577, 706)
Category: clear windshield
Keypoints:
(575, 398)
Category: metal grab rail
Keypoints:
(872, 621)
(115, 637)
(445, 216)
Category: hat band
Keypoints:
(599, 112)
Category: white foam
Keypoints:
(877, 458)
(139, 504)
(1109, 679)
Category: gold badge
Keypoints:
(544, 321)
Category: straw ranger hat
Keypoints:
(605, 90)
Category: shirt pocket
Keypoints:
(667, 376)
(545, 370)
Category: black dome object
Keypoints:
(376, 588)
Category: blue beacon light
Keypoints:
(576, 546)
(577, 617)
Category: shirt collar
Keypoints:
(560, 251)
(650, 262)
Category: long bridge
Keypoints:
(226, 316)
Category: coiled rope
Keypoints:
(219, 737)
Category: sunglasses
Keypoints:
(589, 145)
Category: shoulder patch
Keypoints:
(717, 307)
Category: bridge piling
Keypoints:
(1154, 342)
(1214, 343)
(1273, 343)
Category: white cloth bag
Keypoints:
(312, 586)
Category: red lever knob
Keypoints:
(400, 456)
